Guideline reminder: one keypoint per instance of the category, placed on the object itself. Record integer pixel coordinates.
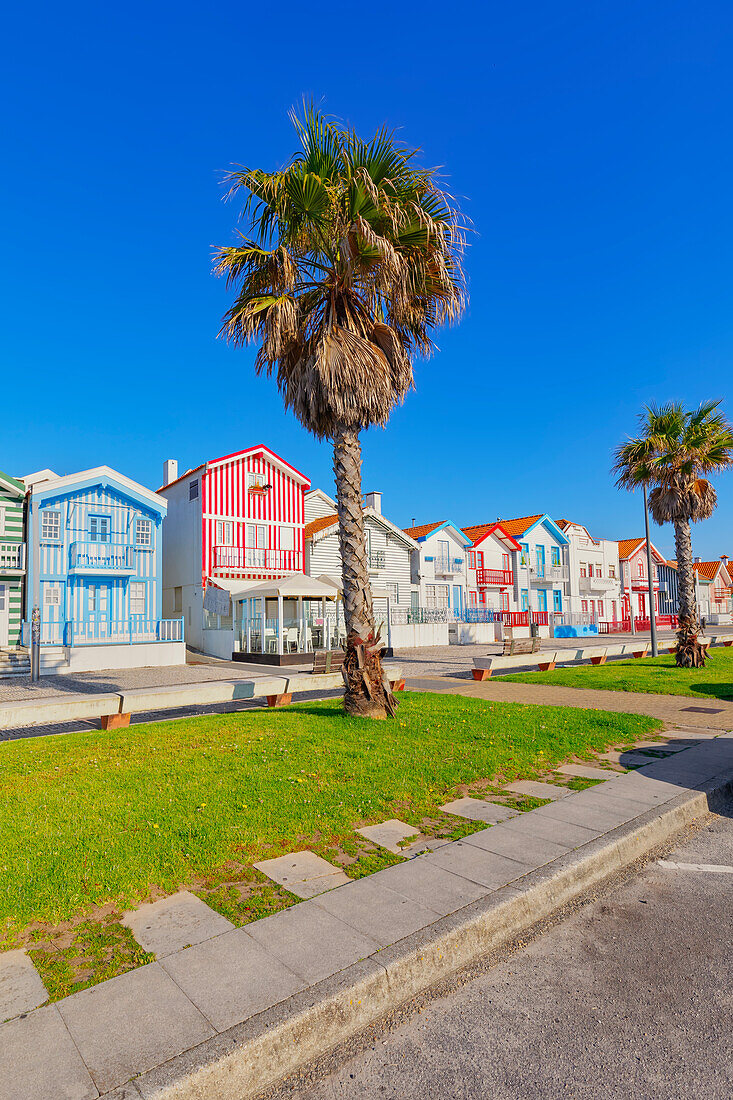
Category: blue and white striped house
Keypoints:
(95, 572)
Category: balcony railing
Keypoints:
(445, 566)
(135, 630)
(409, 616)
(12, 555)
(377, 559)
(494, 578)
(248, 557)
(549, 573)
(598, 584)
(102, 557)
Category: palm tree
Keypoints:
(676, 448)
(351, 258)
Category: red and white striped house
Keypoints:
(240, 517)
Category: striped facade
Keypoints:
(249, 531)
(12, 560)
(95, 559)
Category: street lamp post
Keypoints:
(652, 609)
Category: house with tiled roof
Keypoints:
(594, 588)
(491, 567)
(632, 555)
(713, 589)
(539, 564)
(440, 567)
(389, 552)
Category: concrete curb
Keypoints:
(243, 1061)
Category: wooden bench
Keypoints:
(327, 660)
(514, 646)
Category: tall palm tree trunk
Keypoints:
(689, 654)
(367, 690)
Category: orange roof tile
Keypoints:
(511, 527)
(626, 547)
(321, 524)
(671, 564)
(422, 529)
(707, 569)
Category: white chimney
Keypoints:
(170, 470)
(374, 500)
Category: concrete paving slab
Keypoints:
(174, 922)
(130, 1091)
(38, 1060)
(21, 986)
(422, 846)
(602, 816)
(585, 771)
(131, 1023)
(486, 868)
(231, 978)
(532, 850)
(534, 789)
(388, 834)
(557, 832)
(311, 942)
(476, 809)
(430, 885)
(376, 910)
(303, 873)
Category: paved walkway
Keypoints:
(214, 1006)
(677, 710)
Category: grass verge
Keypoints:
(648, 675)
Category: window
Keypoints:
(51, 526)
(144, 532)
(256, 481)
(287, 538)
(256, 536)
(504, 601)
(92, 597)
(52, 596)
(542, 599)
(3, 597)
(583, 569)
(612, 572)
(177, 600)
(99, 528)
(137, 598)
(437, 595)
(525, 600)
(479, 559)
(473, 598)
(471, 559)
(525, 552)
(557, 601)
(224, 533)
(584, 607)
(193, 490)
(614, 608)
(640, 568)
(555, 555)
(393, 590)
(600, 609)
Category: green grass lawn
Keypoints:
(659, 675)
(95, 822)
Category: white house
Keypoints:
(632, 555)
(594, 587)
(539, 566)
(440, 567)
(491, 567)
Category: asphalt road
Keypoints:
(629, 997)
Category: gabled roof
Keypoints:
(628, 547)
(708, 570)
(324, 496)
(421, 532)
(495, 529)
(12, 484)
(271, 457)
(564, 524)
(326, 524)
(99, 475)
(513, 527)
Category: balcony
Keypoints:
(134, 630)
(447, 566)
(494, 578)
(598, 584)
(377, 560)
(102, 559)
(641, 584)
(549, 574)
(12, 557)
(252, 558)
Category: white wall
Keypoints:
(182, 557)
(430, 575)
(584, 550)
(323, 556)
(60, 660)
(417, 635)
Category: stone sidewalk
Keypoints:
(676, 710)
(233, 1011)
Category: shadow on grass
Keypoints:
(715, 691)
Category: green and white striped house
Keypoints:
(12, 560)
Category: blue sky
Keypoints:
(589, 143)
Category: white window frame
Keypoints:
(52, 595)
(393, 591)
(193, 489)
(145, 525)
(137, 586)
(287, 538)
(224, 532)
(46, 515)
(256, 481)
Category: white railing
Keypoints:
(104, 557)
(133, 631)
(12, 555)
(551, 573)
(448, 565)
(597, 584)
